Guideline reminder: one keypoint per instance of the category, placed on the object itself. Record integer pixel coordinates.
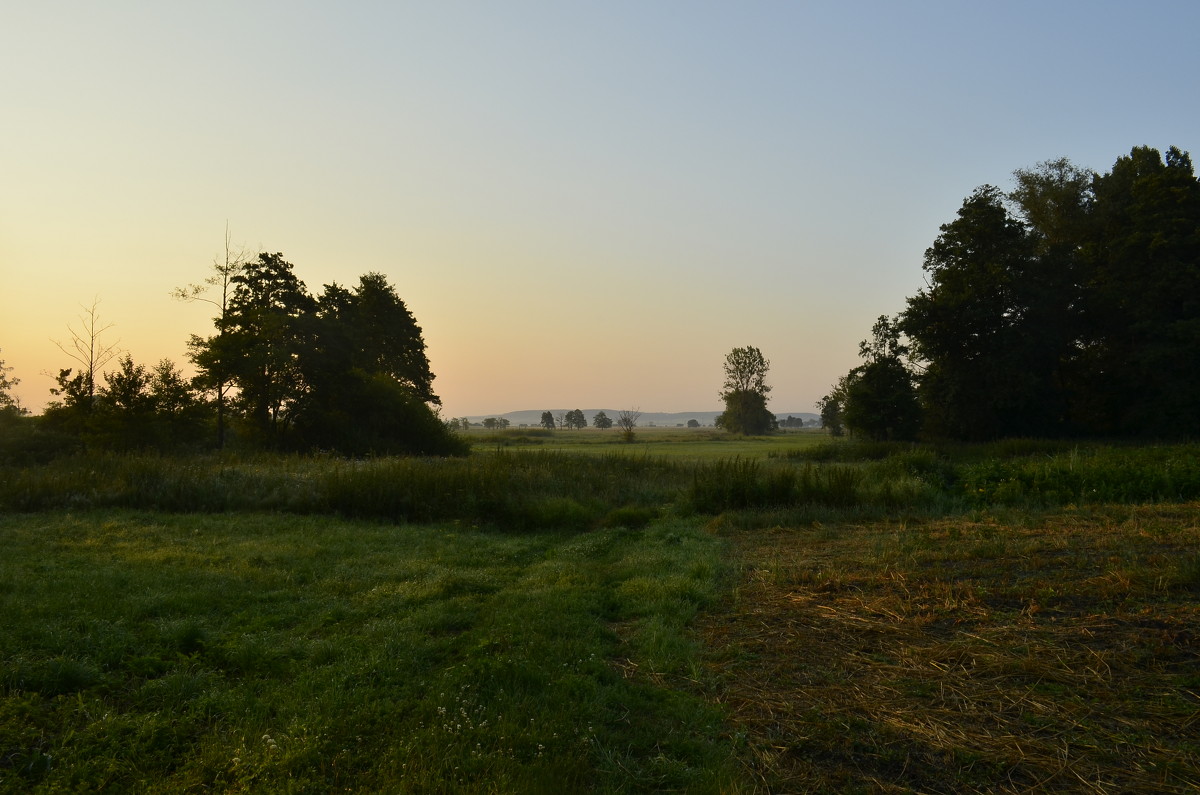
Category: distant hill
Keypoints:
(648, 418)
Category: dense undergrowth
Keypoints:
(530, 490)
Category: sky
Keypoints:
(583, 204)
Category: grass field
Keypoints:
(849, 618)
(177, 653)
(687, 443)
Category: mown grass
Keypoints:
(1010, 653)
(259, 653)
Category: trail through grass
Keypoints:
(172, 653)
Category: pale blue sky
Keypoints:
(583, 204)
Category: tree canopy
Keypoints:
(744, 392)
(344, 371)
(1070, 305)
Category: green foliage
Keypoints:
(602, 421)
(881, 401)
(878, 399)
(1072, 317)
(260, 341)
(345, 372)
(136, 408)
(983, 379)
(832, 408)
(738, 484)
(745, 393)
(746, 413)
(372, 414)
(1087, 477)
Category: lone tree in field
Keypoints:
(548, 421)
(745, 393)
(627, 420)
(602, 421)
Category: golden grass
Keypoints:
(969, 656)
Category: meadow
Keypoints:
(559, 613)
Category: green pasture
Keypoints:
(682, 443)
(260, 653)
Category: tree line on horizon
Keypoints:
(1068, 306)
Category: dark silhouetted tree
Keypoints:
(880, 400)
(212, 375)
(745, 393)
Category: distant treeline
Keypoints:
(1068, 306)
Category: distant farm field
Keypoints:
(694, 443)
(845, 617)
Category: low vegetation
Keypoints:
(177, 652)
(1007, 652)
(793, 615)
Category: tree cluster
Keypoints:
(343, 371)
(1068, 306)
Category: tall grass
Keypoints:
(527, 490)
(547, 489)
(737, 483)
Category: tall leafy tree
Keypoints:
(263, 332)
(364, 368)
(972, 326)
(832, 408)
(744, 392)
(880, 395)
(212, 374)
(1144, 302)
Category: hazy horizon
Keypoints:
(578, 203)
